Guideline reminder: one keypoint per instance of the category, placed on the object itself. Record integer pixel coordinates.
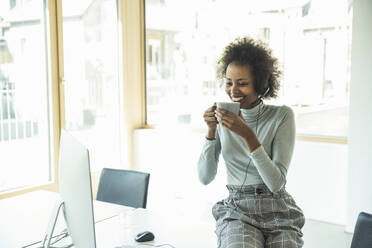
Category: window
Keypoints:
(24, 96)
(91, 78)
(183, 46)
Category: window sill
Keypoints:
(50, 186)
(301, 137)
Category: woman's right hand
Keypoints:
(210, 118)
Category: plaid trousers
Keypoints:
(254, 217)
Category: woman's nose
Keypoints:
(234, 88)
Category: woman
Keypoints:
(257, 147)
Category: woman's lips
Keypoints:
(237, 99)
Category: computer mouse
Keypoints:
(144, 236)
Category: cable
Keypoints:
(58, 238)
(124, 246)
(64, 234)
(250, 160)
(160, 245)
(259, 100)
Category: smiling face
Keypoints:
(239, 84)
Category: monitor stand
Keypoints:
(52, 223)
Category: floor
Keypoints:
(318, 234)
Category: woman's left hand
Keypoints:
(233, 122)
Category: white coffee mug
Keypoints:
(233, 107)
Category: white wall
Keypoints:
(171, 157)
(360, 131)
(316, 179)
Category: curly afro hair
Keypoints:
(265, 68)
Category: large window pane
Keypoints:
(182, 48)
(91, 77)
(24, 116)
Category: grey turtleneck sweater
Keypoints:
(269, 163)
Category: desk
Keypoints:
(23, 221)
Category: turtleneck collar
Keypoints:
(251, 114)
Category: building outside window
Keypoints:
(25, 145)
(313, 49)
(91, 87)
(91, 78)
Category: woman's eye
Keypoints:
(228, 84)
(243, 84)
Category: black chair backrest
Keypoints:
(124, 187)
(362, 237)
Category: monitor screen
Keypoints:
(76, 190)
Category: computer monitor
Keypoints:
(76, 191)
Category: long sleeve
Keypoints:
(273, 171)
(208, 161)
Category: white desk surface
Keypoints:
(24, 219)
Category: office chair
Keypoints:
(362, 237)
(124, 187)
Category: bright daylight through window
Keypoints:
(91, 78)
(311, 39)
(91, 87)
(25, 152)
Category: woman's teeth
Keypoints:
(237, 99)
